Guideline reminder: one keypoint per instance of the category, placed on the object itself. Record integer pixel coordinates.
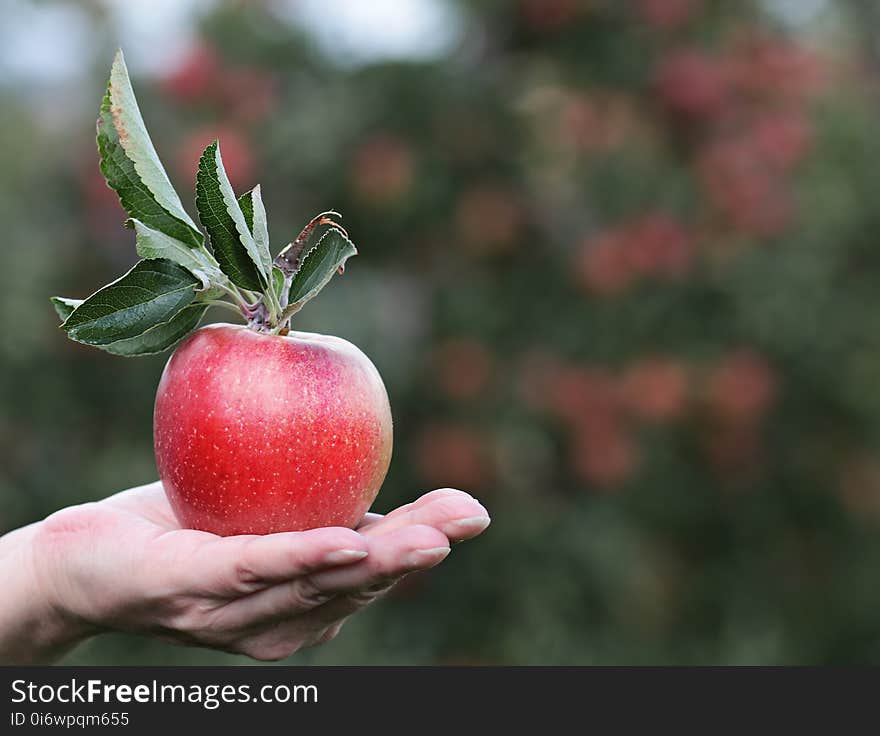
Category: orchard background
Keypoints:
(619, 269)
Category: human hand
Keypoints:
(125, 564)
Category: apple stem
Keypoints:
(259, 316)
(237, 296)
(288, 260)
(222, 303)
(285, 292)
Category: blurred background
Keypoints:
(618, 267)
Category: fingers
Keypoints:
(235, 566)
(371, 518)
(307, 582)
(396, 553)
(454, 513)
(390, 556)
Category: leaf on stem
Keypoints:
(247, 209)
(131, 166)
(152, 244)
(151, 293)
(320, 263)
(254, 212)
(161, 336)
(260, 227)
(224, 220)
(64, 306)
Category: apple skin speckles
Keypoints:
(258, 433)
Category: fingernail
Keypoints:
(344, 556)
(472, 523)
(426, 556)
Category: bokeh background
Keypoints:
(619, 269)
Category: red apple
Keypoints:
(257, 433)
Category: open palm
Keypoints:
(125, 564)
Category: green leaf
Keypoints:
(254, 212)
(136, 141)
(247, 209)
(64, 306)
(277, 280)
(329, 254)
(151, 293)
(131, 166)
(152, 244)
(222, 217)
(159, 337)
(260, 228)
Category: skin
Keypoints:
(125, 564)
(258, 433)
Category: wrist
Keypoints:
(35, 624)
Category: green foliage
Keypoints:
(64, 307)
(258, 225)
(131, 166)
(131, 134)
(150, 294)
(318, 267)
(245, 201)
(238, 237)
(151, 244)
(225, 223)
(161, 336)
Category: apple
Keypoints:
(257, 429)
(257, 433)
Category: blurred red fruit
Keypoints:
(782, 138)
(654, 244)
(195, 77)
(603, 265)
(245, 95)
(382, 170)
(238, 157)
(248, 95)
(658, 244)
(741, 388)
(655, 389)
(691, 84)
(463, 368)
(453, 455)
(605, 457)
(744, 188)
(584, 396)
(775, 69)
